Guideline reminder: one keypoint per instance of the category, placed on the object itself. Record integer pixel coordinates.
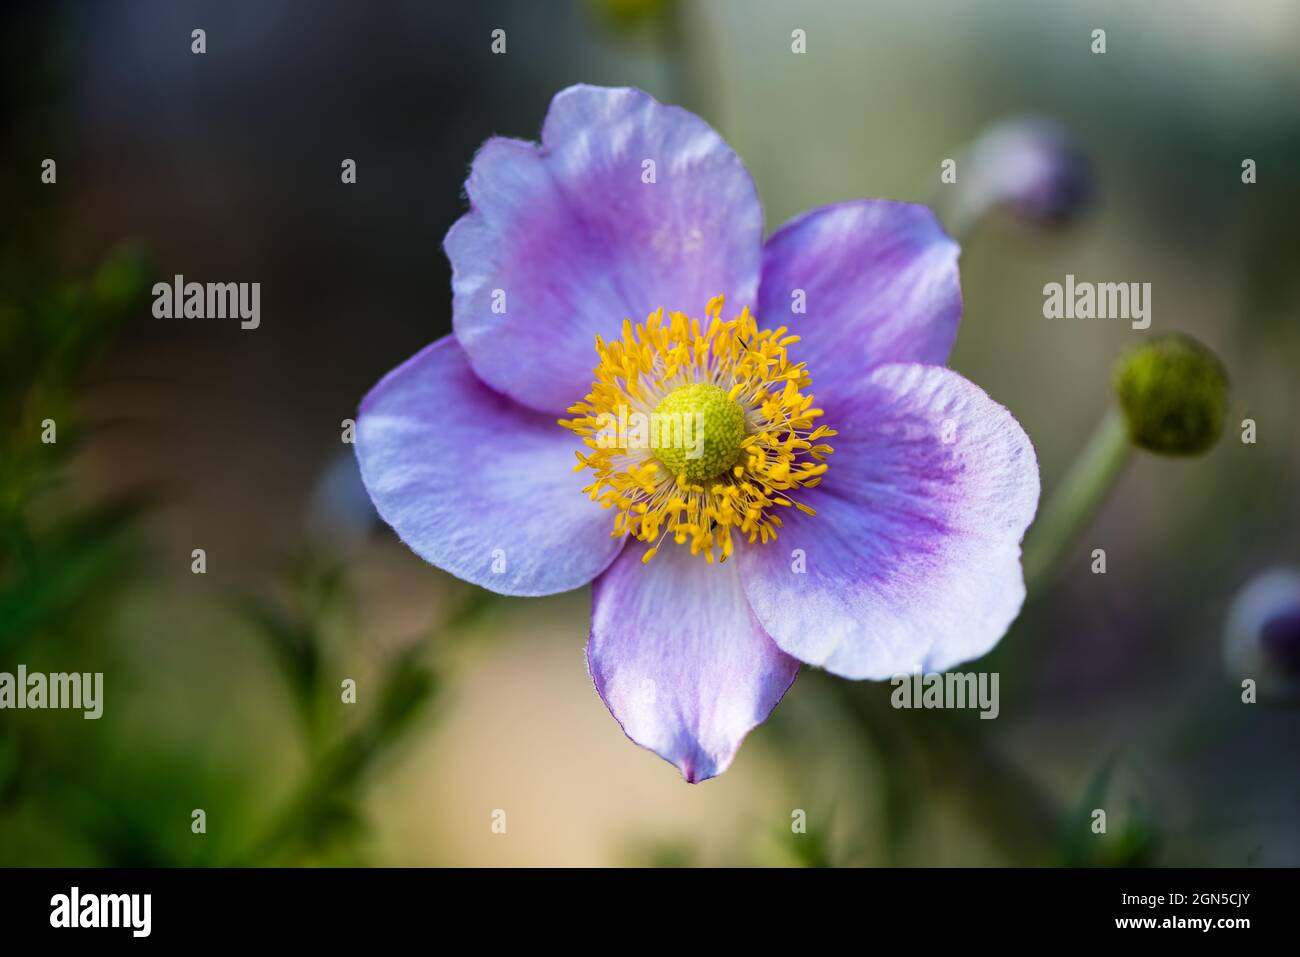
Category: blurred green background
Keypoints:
(222, 690)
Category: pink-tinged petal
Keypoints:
(475, 483)
(564, 240)
(877, 281)
(913, 558)
(679, 658)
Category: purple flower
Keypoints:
(733, 542)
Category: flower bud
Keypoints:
(625, 14)
(1262, 637)
(1173, 392)
(1029, 165)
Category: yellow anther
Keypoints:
(751, 438)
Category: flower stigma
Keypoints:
(706, 410)
(696, 432)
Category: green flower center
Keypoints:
(696, 431)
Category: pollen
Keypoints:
(699, 432)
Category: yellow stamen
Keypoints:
(693, 431)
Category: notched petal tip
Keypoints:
(679, 660)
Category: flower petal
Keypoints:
(476, 484)
(566, 240)
(679, 659)
(878, 283)
(913, 558)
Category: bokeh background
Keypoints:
(222, 690)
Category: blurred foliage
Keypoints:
(306, 635)
(1130, 839)
(661, 852)
(55, 558)
(65, 565)
(103, 792)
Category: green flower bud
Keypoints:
(629, 13)
(1174, 395)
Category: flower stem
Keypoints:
(1076, 499)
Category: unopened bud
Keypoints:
(1174, 395)
(1032, 167)
(1262, 637)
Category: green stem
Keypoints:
(1077, 498)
